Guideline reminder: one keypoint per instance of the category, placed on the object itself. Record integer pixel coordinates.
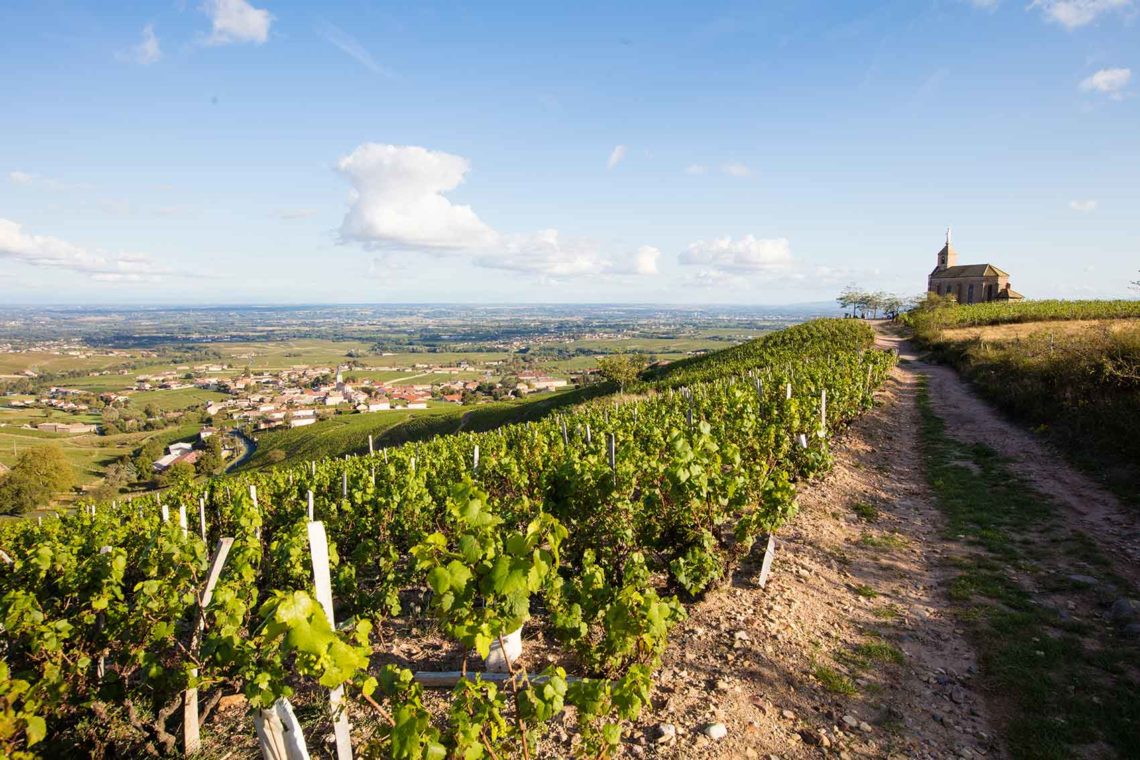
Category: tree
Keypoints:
(622, 369)
(144, 459)
(38, 475)
(120, 474)
(849, 298)
(210, 461)
(178, 473)
(893, 305)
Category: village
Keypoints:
(282, 399)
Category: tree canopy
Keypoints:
(621, 369)
(38, 475)
(864, 302)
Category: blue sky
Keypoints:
(756, 153)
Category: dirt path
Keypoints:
(851, 649)
(1089, 508)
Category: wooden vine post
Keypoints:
(823, 413)
(319, 550)
(202, 515)
(191, 738)
(766, 563)
(613, 457)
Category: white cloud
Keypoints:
(616, 156)
(747, 255)
(351, 47)
(545, 253)
(550, 255)
(986, 5)
(236, 21)
(1076, 13)
(398, 199)
(46, 183)
(736, 170)
(398, 203)
(1109, 81)
(645, 260)
(1083, 207)
(146, 52)
(47, 251)
(696, 169)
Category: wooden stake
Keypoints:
(823, 412)
(766, 563)
(371, 451)
(182, 521)
(310, 506)
(475, 460)
(613, 456)
(202, 515)
(319, 550)
(190, 730)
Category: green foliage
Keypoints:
(940, 314)
(621, 369)
(1078, 388)
(38, 475)
(548, 520)
(483, 580)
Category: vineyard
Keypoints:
(997, 313)
(125, 624)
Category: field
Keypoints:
(283, 354)
(174, 400)
(1077, 383)
(343, 434)
(1018, 330)
(12, 363)
(89, 454)
(996, 313)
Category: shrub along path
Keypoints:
(951, 589)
